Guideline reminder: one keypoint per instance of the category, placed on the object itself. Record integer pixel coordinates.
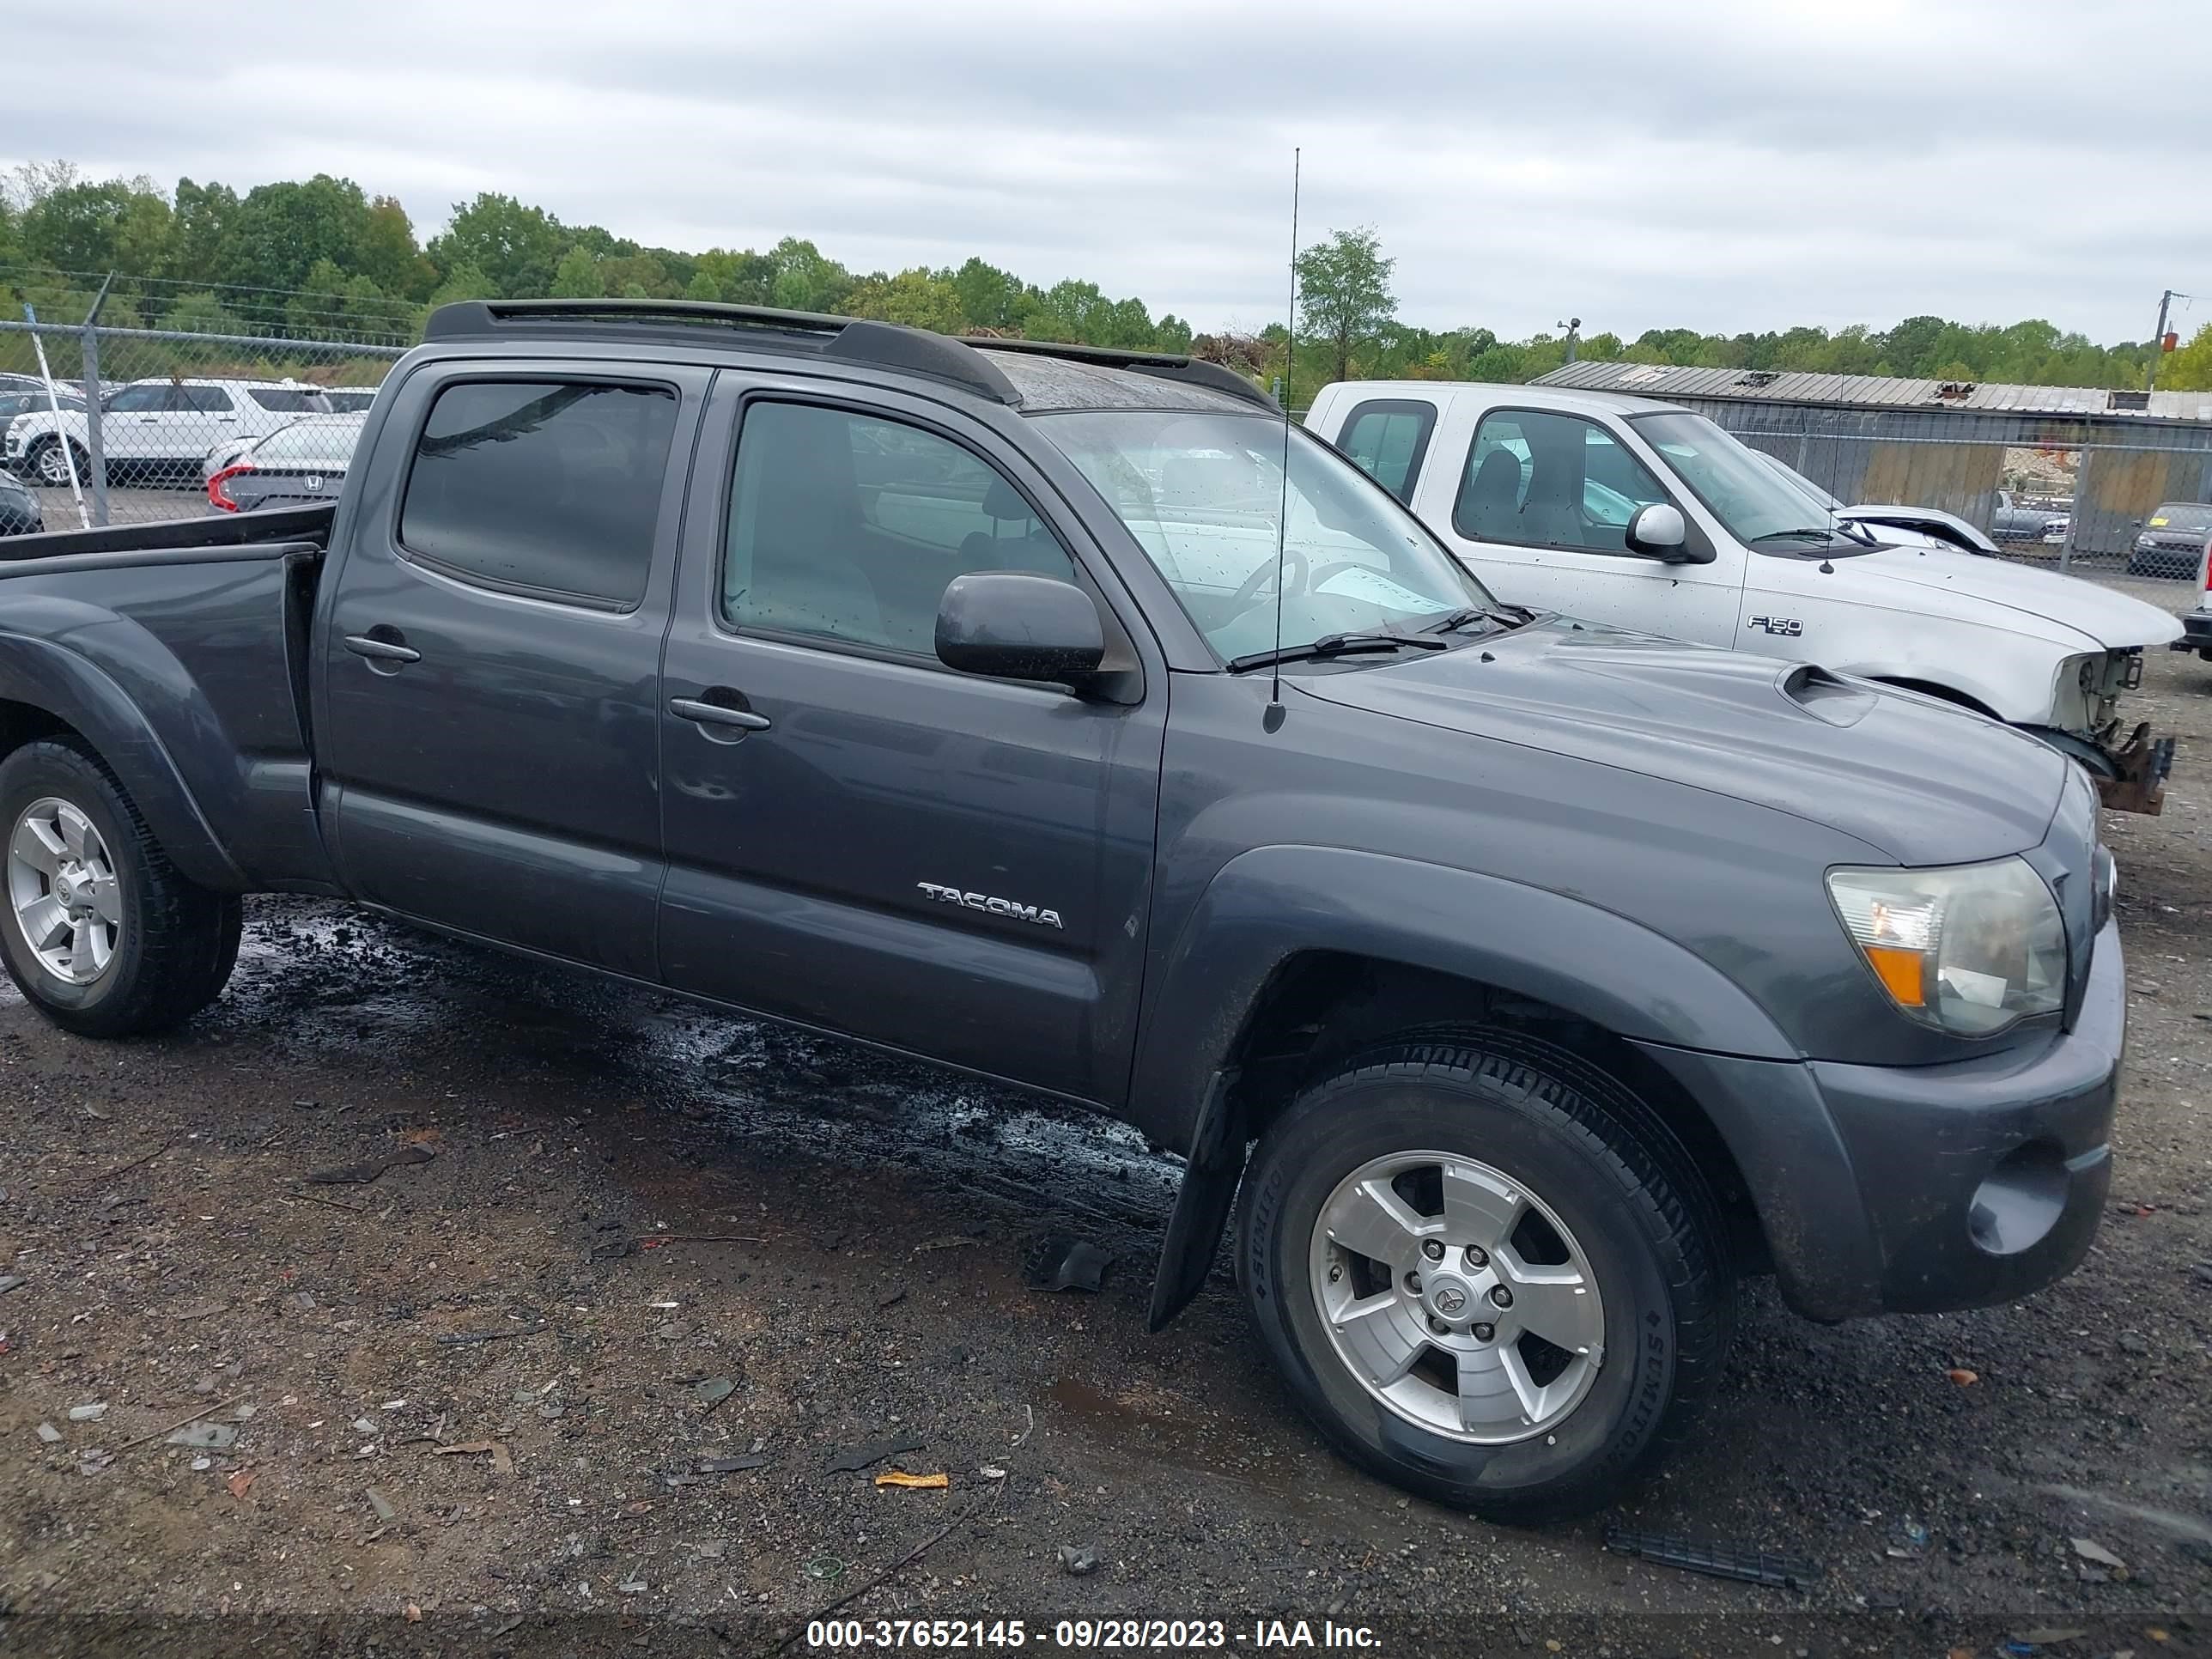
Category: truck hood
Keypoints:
(2103, 618)
(1923, 781)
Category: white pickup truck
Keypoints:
(1643, 515)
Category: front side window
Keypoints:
(1543, 480)
(849, 526)
(1204, 494)
(139, 400)
(1741, 490)
(546, 487)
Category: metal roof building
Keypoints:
(1941, 443)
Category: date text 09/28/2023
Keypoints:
(1089, 1635)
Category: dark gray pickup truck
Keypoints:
(1067, 717)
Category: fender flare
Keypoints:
(1268, 906)
(59, 682)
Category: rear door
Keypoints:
(859, 837)
(489, 728)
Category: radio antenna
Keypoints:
(1283, 511)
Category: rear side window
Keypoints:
(541, 487)
(284, 400)
(1387, 438)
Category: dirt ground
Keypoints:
(464, 1404)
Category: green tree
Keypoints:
(278, 231)
(577, 276)
(2189, 368)
(1343, 294)
(917, 298)
(122, 225)
(514, 247)
(387, 253)
(465, 283)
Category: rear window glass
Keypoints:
(282, 400)
(541, 487)
(325, 446)
(1386, 440)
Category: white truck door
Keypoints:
(1538, 502)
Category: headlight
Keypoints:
(1969, 949)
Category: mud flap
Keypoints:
(1201, 1207)
(2140, 767)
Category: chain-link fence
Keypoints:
(130, 425)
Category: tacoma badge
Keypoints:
(997, 906)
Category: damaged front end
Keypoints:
(2130, 772)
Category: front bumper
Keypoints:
(1918, 1189)
(2195, 632)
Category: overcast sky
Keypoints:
(1719, 166)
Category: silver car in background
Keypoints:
(302, 465)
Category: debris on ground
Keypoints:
(12, 1282)
(360, 1173)
(1062, 1262)
(50, 1434)
(1078, 1560)
(992, 1471)
(2098, 1556)
(206, 1308)
(828, 1569)
(2029, 1640)
(1740, 1562)
(918, 1482)
(731, 1465)
(891, 1298)
(205, 1436)
(501, 1462)
(240, 1482)
(383, 1506)
(89, 1413)
(1962, 1376)
(862, 1457)
(469, 1338)
(714, 1391)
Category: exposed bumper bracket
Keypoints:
(2140, 767)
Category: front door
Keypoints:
(859, 837)
(490, 727)
(1539, 508)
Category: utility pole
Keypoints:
(2158, 340)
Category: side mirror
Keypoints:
(1657, 531)
(1018, 626)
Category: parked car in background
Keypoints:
(1059, 715)
(1644, 515)
(16, 400)
(19, 508)
(2170, 540)
(350, 400)
(2197, 625)
(157, 429)
(297, 465)
(1896, 525)
(2014, 520)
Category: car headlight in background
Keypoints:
(1970, 949)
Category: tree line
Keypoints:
(323, 259)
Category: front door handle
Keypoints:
(376, 650)
(713, 713)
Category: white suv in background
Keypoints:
(157, 428)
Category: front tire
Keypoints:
(99, 930)
(1487, 1271)
(51, 459)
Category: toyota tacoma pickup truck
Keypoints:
(1643, 514)
(1069, 717)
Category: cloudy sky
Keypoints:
(1725, 165)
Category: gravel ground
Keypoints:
(475, 1391)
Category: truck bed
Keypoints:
(286, 525)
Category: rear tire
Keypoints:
(100, 931)
(1610, 1241)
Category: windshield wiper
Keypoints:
(1336, 645)
(1818, 531)
(1452, 621)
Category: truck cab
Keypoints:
(1556, 498)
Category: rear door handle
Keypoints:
(376, 650)
(713, 713)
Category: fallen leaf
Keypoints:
(899, 1477)
(240, 1482)
(500, 1462)
(1962, 1376)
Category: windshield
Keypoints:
(1736, 485)
(2183, 515)
(1203, 495)
(1790, 475)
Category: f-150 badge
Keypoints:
(1789, 627)
(997, 906)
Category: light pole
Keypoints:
(1574, 339)
(2158, 340)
